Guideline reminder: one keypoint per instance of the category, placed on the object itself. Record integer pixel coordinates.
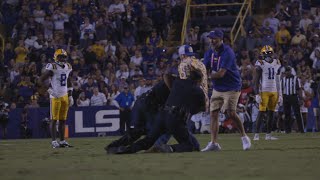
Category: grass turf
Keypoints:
(293, 156)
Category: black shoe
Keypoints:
(65, 144)
(122, 150)
(111, 150)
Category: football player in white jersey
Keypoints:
(60, 95)
(267, 89)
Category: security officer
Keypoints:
(124, 101)
(186, 98)
(143, 116)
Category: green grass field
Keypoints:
(293, 156)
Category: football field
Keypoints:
(293, 156)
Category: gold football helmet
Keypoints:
(60, 56)
(267, 53)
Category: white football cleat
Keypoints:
(256, 137)
(246, 143)
(269, 137)
(212, 147)
(55, 144)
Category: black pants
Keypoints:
(172, 123)
(124, 120)
(128, 138)
(141, 120)
(185, 97)
(292, 102)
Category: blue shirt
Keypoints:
(226, 59)
(125, 101)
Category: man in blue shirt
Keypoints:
(124, 101)
(226, 80)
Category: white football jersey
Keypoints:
(59, 79)
(269, 72)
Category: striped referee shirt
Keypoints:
(290, 85)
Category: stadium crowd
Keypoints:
(117, 45)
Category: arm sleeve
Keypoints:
(49, 67)
(227, 60)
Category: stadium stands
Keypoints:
(102, 38)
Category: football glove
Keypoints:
(258, 98)
(71, 101)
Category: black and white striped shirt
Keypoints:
(290, 85)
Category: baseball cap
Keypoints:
(215, 34)
(186, 50)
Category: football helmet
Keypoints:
(267, 53)
(60, 56)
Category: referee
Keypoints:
(291, 92)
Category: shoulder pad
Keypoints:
(259, 62)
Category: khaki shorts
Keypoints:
(224, 100)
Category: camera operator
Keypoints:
(4, 117)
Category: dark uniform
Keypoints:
(186, 98)
(143, 116)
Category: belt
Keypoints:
(181, 112)
(175, 109)
(171, 109)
